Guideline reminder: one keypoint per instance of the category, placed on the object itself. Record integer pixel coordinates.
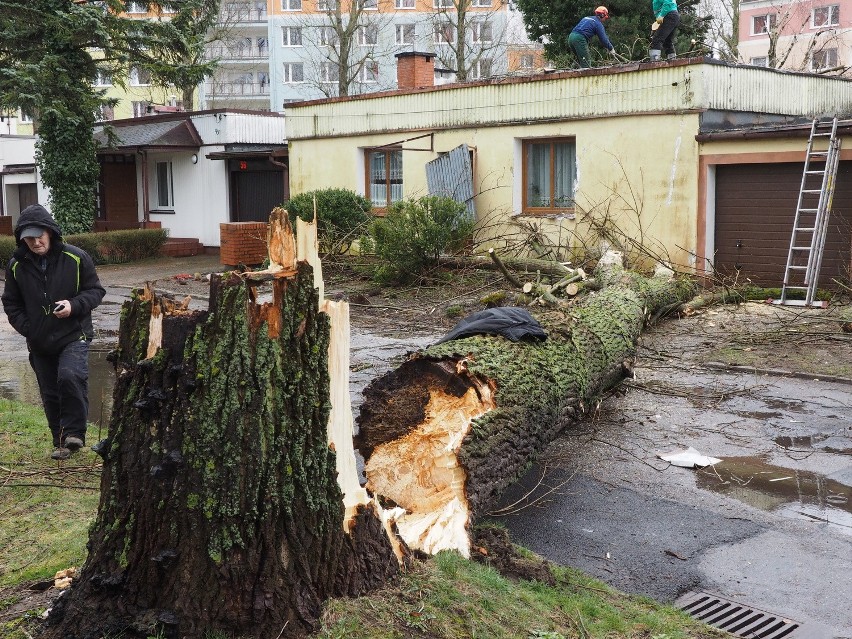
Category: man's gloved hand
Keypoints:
(659, 21)
(655, 26)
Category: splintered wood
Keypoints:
(420, 472)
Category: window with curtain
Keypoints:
(550, 169)
(384, 177)
(165, 192)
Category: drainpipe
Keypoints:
(146, 212)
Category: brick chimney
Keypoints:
(415, 69)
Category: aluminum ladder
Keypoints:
(807, 241)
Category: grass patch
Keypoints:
(45, 505)
(449, 597)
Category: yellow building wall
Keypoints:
(637, 176)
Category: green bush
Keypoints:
(341, 217)
(415, 233)
(111, 247)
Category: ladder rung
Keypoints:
(821, 172)
(819, 153)
(801, 248)
(804, 229)
(800, 288)
(811, 191)
(798, 268)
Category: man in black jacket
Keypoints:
(51, 289)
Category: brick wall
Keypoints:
(415, 69)
(242, 243)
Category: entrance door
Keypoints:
(27, 195)
(257, 188)
(119, 206)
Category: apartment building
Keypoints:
(797, 35)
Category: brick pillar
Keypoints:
(242, 243)
(415, 69)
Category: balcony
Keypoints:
(236, 89)
(232, 15)
(226, 54)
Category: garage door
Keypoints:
(755, 207)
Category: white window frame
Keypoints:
(291, 36)
(165, 185)
(368, 35)
(477, 28)
(759, 61)
(480, 3)
(326, 75)
(137, 8)
(370, 5)
(136, 81)
(831, 59)
(140, 108)
(832, 17)
(405, 4)
(293, 69)
(25, 117)
(444, 32)
(369, 73)
(443, 4)
(770, 22)
(477, 68)
(103, 78)
(327, 5)
(401, 33)
(526, 57)
(291, 5)
(327, 36)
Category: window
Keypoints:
(328, 36)
(329, 73)
(368, 36)
(764, 24)
(292, 36)
(480, 3)
(294, 72)
(384, 177)
(550, 169)
(291, 5)
(826, 16)
(526, 61)
(103, 78)
(481, 32)
(370, 5)
(136, 7)
(105, 113)
(25, 116)
(481, 68)
(140, 108)
(825, 59)
(326, 5)
(445, 32)
(405, 34)
(139, 77)
(369, 73)
(442, 4)
(760, 61)
(404, 4)
(165, 185)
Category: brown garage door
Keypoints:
(755, 207)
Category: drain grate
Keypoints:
(738, 619)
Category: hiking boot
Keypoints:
(74, 444)
(60, 453)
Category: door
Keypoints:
(257, 188)
(119, 206)
(755, 208)
(27, 195)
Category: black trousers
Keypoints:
(63, 381)
(663, 38)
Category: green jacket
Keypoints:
(662, 7)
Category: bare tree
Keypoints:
(467, 40)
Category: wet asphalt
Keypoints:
(769, 527)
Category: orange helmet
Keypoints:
(603, 12)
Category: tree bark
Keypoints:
(220, 505)
(445, 433)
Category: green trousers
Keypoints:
(580, 46)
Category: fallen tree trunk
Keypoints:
(223, 504)
(445, 433)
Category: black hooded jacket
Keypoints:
(30, 293)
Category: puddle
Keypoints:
(792, 493)
(818, 441)
(18, 382)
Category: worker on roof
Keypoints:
(666, 20)
(585, 30)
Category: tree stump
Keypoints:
(220, 504)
